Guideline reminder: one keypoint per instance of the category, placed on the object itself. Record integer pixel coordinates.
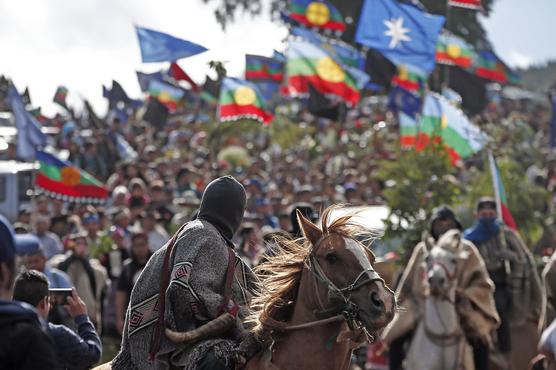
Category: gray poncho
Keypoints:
(199, 264)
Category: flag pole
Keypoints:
(445, 67)
(496, 186)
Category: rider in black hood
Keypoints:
(442, 220)
(223, 205)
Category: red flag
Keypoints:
(469, 4)
(179, 74)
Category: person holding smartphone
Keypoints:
(74, 350)
(24, 340)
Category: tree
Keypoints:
(463, 22)
(416, 183)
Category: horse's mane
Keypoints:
(280, 274)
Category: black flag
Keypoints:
(321, 106)
(156, 114)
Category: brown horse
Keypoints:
(319, 298)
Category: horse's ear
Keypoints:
(310, 231)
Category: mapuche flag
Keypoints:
(410, 79)
(443, 122)
(307, 63)
(341, 51)
(454, 51)
(500, 195)
(259, 68)
(62, 180)
(408, 89)
(60, 96)
(469, 4)
(489, 66)
(167, 94)
(318, 14)
(241, 100)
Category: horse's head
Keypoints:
(442, 264)
(346, 280)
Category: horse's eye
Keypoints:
(331, 258)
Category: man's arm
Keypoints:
(84, 349)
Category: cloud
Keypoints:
(517, 59)
(84, 44)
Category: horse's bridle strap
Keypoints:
(310, 324)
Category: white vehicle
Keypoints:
(372, 218)
(16, 186)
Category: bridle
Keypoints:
(349, 310)
(449, 275)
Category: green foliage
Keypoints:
(235, 156)
(220, 132)
(417, 182)
(286, 133)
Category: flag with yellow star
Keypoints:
(62, 180)
(241, 99)
(319, 14)
(310, 64)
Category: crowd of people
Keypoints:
(100, 251)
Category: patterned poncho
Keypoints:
(198, 272)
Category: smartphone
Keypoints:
(59, 296)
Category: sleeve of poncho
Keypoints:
(475, 285)
(410, 290)
(536, 299)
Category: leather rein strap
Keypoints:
(230, 272)
(164, 282)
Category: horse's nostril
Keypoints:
(376, 301)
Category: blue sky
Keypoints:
(84, 44)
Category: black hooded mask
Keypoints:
(223, 205)
(443, 213)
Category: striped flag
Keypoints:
(500, 195)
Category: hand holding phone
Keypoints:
(59, 296)
(75, 305)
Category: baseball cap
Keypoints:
(10, 243)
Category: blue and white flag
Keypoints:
(402, 33)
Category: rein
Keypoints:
(311, 324)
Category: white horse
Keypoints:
(439, 342)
